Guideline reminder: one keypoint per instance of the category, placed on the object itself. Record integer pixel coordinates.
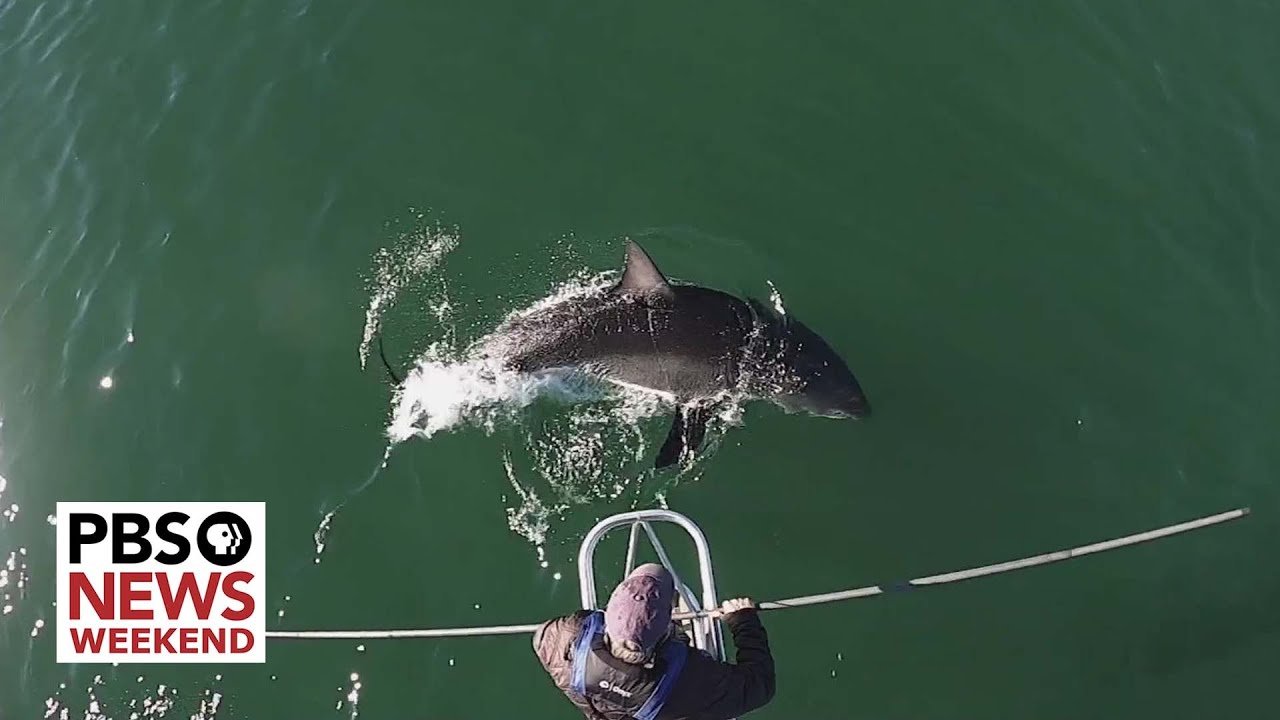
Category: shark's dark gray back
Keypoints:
(690, 342)
(687, 343)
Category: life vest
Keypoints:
(640, 690)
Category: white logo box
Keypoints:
(184, 638)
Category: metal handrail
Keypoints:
(706, 630)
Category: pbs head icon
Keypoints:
(224, 538)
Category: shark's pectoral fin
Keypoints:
(687, 431)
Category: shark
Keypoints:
(694, 346)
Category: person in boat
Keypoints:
(630, 661)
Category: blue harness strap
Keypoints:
(595, 622)
(674, 655)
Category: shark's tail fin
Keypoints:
(382, 353)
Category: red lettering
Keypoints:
(139, 644)
(213, 640)
(119, 640)
(187, 587)
(158, 641)
(104, 606)
(82, 637)
(163, 639)
(187, 641)
(129, 595)
(233, 593)
(245, 636)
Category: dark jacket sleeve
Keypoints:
(711, 690)
(553, 644)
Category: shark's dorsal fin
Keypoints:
(640, 275)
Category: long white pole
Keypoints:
(853, 594)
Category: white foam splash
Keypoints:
(452, 385)
(440, 394)
(322, 532)
(531, 519)
(209, 703)
(14, 579)
(352, 697)
(283, 603)
(397, 267)
(595, 450)
(775, 297)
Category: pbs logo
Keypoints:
(224, 538)
(146, 582)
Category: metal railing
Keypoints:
(704, 631)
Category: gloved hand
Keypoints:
(730, 607)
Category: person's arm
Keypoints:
(709, 689)
(753, 664)
(553, 644)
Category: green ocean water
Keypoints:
(1044, 236)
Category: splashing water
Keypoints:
(440, 394)
(351, 697)
(589, 445)
(451, 386)
(775, 299)
(134, 704)
(321, 534)
(398, 267)
(15, 577)
(531, 519)
(208, 709)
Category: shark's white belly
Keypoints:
(669, 397)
